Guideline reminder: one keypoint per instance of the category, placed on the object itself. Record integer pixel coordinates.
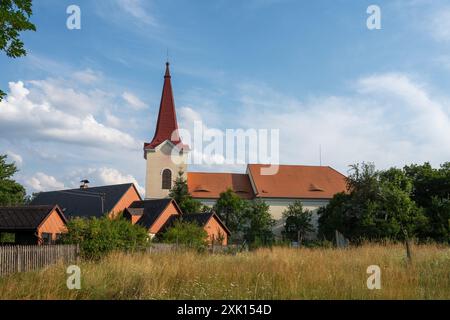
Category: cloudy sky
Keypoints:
(82, 103)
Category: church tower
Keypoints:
(165, 154)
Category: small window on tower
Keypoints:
(166, 179)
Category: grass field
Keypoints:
(280, 273)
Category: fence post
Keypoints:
(18, 259)
(77, 253)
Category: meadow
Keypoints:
(277, 273)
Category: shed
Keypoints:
(39, 224)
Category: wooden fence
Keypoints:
(27, 258)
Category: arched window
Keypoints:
(166, 179)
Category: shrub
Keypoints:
(186, 233)
(99, 236)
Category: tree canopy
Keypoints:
(11, 192)
(258, 223)
(396, 203)
(231, 210)
(99, 236)
(247, 220)
(14, 18)
(298, 221)
(186, 233)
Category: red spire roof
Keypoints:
(167, 126)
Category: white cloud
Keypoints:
(439, 24)
(17, 158)
(138, 10)
(61, 94)
(133, 101)
(42, 182)
(391, 120)
(87, 76)
(22, 115)
(107, 176)
(112, 120)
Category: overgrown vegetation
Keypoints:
(186, 233)
(247, 220)
(396, 204)
(99, 236)
(280, 273)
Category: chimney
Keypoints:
(84, 184)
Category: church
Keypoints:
(166, 154)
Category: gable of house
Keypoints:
(54, 224)
(153, 214)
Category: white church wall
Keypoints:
(278, 205)
(157, 161)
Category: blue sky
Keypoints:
(83, 101)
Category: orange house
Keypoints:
(159, 215)
(152, 214)
(33, 224)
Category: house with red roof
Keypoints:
(166, 154)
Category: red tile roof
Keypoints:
(294, 181)
(209, 185)
(167, 126)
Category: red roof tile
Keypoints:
(294, 181)
(209, 185)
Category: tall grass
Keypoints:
(281, 273)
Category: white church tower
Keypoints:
(165, 154)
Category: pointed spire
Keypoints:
(167, 126)
(167, 74)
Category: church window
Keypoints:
(166, 179)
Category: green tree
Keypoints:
(14, 18)
(180, 193)
(11, 192)
(431, 191)
(438, 226)
(336, 216)
(378, 206)
(231, 209)
(298, 221)
(99, 236)
(258, 223)
(186, 233)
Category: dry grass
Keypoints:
(280, 273)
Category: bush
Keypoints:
(186, 233)
(99, 236)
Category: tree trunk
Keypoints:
(408, 246)
(408, 250)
